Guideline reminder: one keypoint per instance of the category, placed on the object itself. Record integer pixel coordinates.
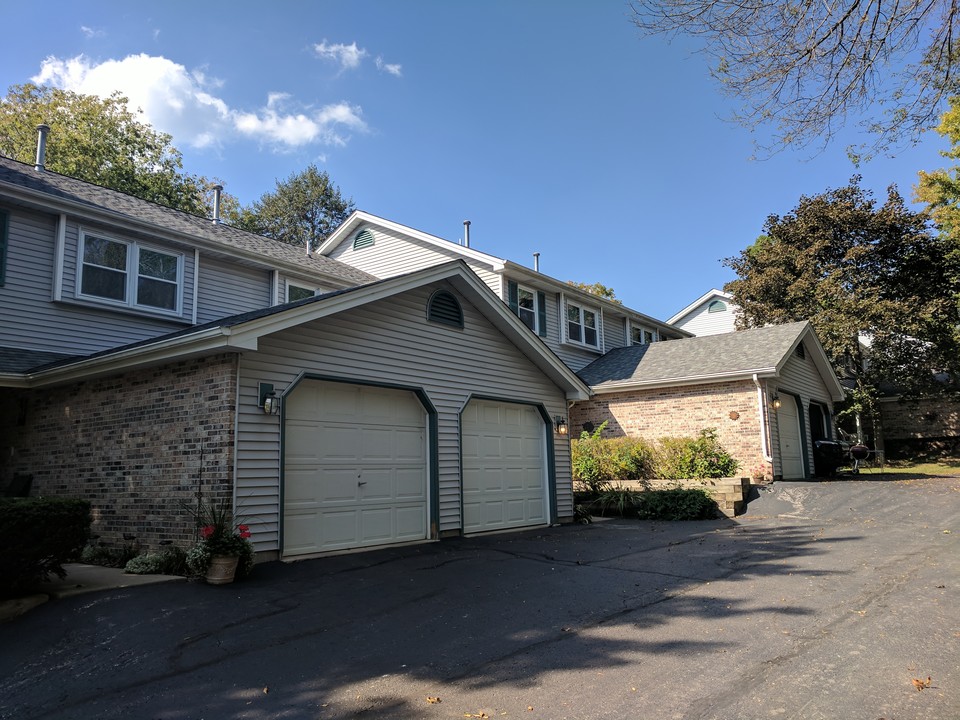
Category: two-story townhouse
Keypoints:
(767, 399)
(149, 357)
(577, 325)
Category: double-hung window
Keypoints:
(527, 307)
(127, 273)
(298, 292)
(582, 325)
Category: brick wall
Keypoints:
(731, 408)
(916, 428)
(132, 444)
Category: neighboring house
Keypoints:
(769, 392)
(142, 350)
(710, 314)
(578, 326)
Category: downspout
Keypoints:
(762, 407)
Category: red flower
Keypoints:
(244, 531)
(206, 531)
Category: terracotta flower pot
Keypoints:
(222, 569)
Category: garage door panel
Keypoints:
(504, 479)
(355, 470)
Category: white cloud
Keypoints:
(183, 104)
(388, 67)
(348, 56)
(89, 32)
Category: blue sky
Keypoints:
(551, 125)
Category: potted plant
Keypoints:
(224, 551)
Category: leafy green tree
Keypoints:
(855, 269)
(940, 189)
(304, 209)
(100, 141)
(804, 66)
(598, 289)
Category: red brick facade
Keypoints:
(132, 444)
(916, 425)
(730, 407)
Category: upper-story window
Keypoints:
(642, 336)
(582, 325)
(529, 305)
(128, 273)
(716, 306)
(298, 292)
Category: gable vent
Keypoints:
(363, 239)
(444, 308)
(800, 352)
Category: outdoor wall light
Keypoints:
(776, 402)
(267, 399)
(561, 425)
(271, 404)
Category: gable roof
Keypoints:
(243, 331)
(760, 352)
(359, 219)
(49, 190)
(707, 297)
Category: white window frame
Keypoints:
(582, 308)
(292, 283)
(132, 272)
(536, 306)
(654, 335)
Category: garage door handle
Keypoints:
(362, 482)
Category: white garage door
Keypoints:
(788, 422)
(355, 468)
(504, 467)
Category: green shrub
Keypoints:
(40, 534)
(697, 458)
(169, 561)
(618, 499)
(597, 462)
(106, 556)
(675, 504)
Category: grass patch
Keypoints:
(908, 469)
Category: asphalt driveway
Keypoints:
(824, 600)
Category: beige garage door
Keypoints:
(504, 467)
(355, 468)
(788, 423)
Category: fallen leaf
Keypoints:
(432, 700)
(921, 684)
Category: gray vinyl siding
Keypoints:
(390, 255)
(390, 342)
(701, 322)
(227, 288)
(33, 321)
(799, 377)
(614, 332)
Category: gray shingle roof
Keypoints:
(737, 353)
(192, 226)
(17, 360)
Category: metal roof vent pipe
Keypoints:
(466, 233)
(42, 131)
(536, 262)
(217, 190)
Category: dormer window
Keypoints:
(641, 336)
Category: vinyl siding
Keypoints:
(228, 288)
(389, 342)
(799, 377)
(614, 332)
(33, 321)
(701, 322)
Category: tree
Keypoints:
(100, 141)
(598, 289)
(804, 66)
(303, 210)
(857, 270)
(940, 189)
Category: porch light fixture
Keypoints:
(776, 402)
(271, 404)
(561, 424)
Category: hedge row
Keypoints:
(40, 535)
